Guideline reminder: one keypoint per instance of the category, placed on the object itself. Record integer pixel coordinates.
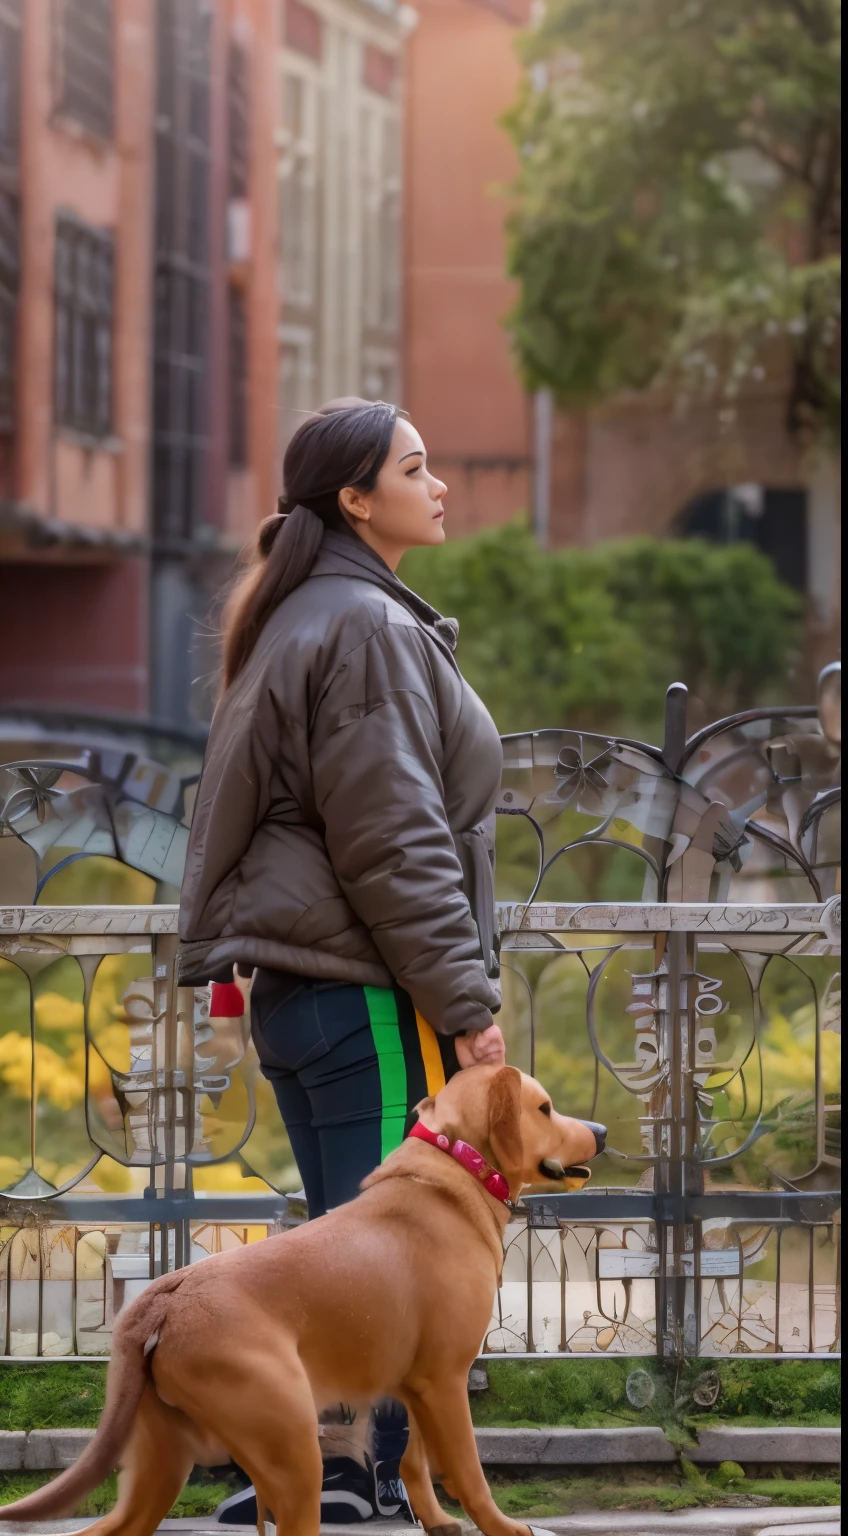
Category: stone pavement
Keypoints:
(690, 1522)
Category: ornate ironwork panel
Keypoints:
(700, 1023)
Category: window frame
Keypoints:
(238, 349)
(74, 101)
(10, 86)
(83, 379)
(301, 157)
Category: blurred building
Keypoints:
(641, 466)
(137, 361)
(638, 466)
(459, 382)
(339, 140)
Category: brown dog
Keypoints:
(390, 1295)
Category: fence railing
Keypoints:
(697, 1015)
(704, 1036)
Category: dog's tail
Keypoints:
(135, 1337)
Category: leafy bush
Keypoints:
(591, 638)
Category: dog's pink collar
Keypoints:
(469, 1158)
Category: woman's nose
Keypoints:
(600, 1134)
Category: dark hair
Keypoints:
(345, 443)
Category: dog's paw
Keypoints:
(449, 1528)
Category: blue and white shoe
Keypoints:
(347, 1497)
(390, 1437)
(390, 1495)
(239, 1509)
(347, 1493)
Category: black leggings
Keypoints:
(347, 1064)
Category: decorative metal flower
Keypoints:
(32, 791)
(727, 841)
(574, 776)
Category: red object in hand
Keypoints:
(227, 1001)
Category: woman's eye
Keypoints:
(414, 470)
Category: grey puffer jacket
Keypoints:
(344, 823)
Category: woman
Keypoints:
(342, 841)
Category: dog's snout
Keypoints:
(600, 1134)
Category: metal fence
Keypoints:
(698, 1018)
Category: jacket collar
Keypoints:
(344, 554)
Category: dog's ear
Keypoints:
(505, 1117)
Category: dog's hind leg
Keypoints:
(158, 1458)
(444, 1419)
(267, 1418)
(415, 1471)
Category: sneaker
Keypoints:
(390, 1495)
(347, 1496)
(389, 1439)
(239, 1509)
(347, 1493)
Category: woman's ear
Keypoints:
(505, 1118)
(355, 504)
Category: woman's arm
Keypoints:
(376, 754)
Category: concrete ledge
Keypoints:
(822, 1447)
(572, 1447)
(50, 1450)
(12, 1443)
(41, 1450)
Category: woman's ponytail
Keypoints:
(282, 555)
(344, 444)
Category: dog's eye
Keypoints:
(545, 1109)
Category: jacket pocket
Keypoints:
(477, 857)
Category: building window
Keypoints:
(238, 378)
(379, 375)
(379, 70)
(180, 416)
(8, 307)
(381, 185)
(297, 377)
(238, 89)
(298, 188)
(10, 80)
(302, 29)
(84, 285)
(83, 63)
(773, 520)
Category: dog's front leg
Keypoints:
(444, 1419)
(415, 1471)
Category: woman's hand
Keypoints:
(481, 1048)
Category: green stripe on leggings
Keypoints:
(385, 1029)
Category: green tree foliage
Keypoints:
(677, 208)
(591, 638)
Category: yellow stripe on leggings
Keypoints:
(430, 1055)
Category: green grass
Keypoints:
(618, 1488)
(591, 1394)
(51, 1396)
(637, 1488)
(585, 1393)
(200, 1497)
